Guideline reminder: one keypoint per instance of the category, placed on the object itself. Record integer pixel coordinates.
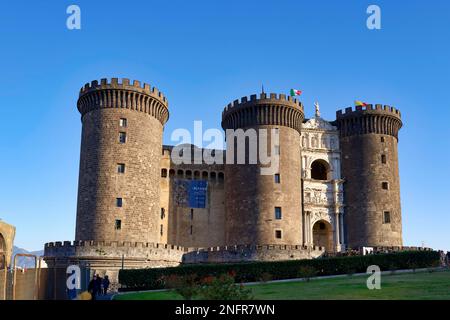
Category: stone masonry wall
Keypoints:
(369, 155)
(251, 197)
(100, 183)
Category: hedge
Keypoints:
(153, 278)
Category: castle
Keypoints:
(336, 186)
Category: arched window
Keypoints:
(180, 173)
(196, 175)
(320, 170)
(188, 174)
(205, 175)
(213, 176)
(171, 173)
(221, 176)
(164, 173)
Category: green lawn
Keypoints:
(420, 285)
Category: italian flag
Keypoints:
(295, 92)
(360, 103)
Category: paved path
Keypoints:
(106, 296)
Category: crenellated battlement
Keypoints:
(265, 109)
(281, 247)
(112, 244)
(98, 250)
(368, 109)
(115, 94)
(240, 253)
(377, 119)
(124, 85)
(263, 98)
(128, 244)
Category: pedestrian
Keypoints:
(93, 287)
(99, 285)
(105, 284)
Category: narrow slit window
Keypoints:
(277, 178)
(387, 217)
(278, 213)
(122, 137)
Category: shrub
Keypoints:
(306, 272)
(148, 279)
(186, 286)
(265, 276)
(224, 288)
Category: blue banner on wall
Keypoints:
(197, 193)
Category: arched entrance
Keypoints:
(323, 235)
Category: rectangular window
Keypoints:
(382, 139)
(383, 158)
(278, 213)
(386, 217)
(191, 229)
(119, 202)
(118, 224)
(122, 137)
(163, 213)
(123, 122)
(161, 230)
(277, 178)
(385, 185)
(164, 173)
(192, 214)
(278, 234)
(121, 168)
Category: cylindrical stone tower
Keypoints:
(121, 143)
(263, 207)
(369, 160)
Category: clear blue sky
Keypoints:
(202, 55)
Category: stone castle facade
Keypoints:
(336, 187)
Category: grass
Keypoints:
(420, 286)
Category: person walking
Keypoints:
(105, 284)
(93, 287)
(99, 285)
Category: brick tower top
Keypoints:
(113, 94)
(266, 109)
(369, 119)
